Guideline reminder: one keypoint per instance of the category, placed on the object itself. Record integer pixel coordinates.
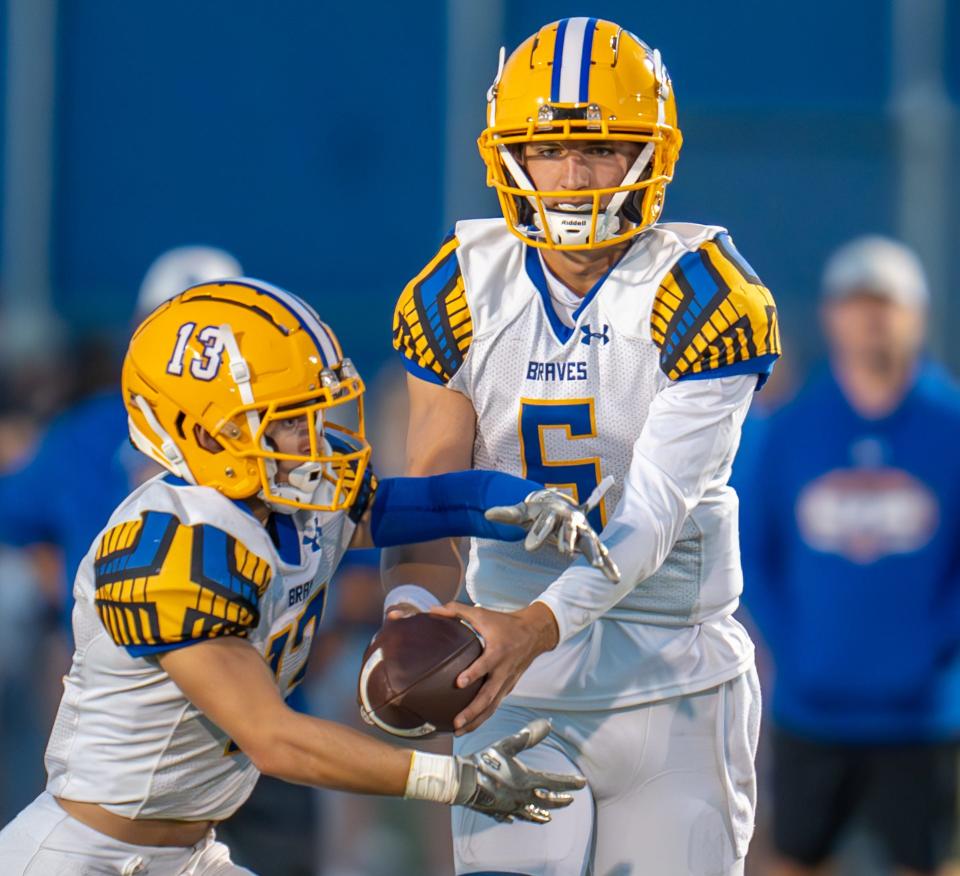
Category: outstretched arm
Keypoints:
(228, 680)
(689, 438)
(481, 504)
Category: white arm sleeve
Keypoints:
(687, 444)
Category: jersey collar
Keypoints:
(534, 267)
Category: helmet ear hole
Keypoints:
(205, 440)
(632, 208)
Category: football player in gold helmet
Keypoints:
(197, 603)
(575, 338)
(584, 87)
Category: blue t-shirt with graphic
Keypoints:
(850, 529)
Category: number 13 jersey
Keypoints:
(564, 405)
(178, 564)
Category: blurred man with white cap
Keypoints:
(178, 269)
(874, 312)
(851, 542)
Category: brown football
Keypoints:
(407, 683)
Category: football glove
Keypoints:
(494, 782)
(549, 515)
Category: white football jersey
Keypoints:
(564, 405)
(178, 564)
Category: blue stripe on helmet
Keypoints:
(585, 59)
(558, 61)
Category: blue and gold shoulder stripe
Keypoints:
(432, 326)
(712, 316)
(160, 584)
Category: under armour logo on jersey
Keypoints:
(311, 538)
(588, 335)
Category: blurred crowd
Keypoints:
(850, 515)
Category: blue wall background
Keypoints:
(281, 133)
(308, 139)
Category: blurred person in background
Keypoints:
(23, 607)
(851, 548)
(44, 501)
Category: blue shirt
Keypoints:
(83, 468)
(64, 495)
(850, 530)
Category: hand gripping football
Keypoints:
(407, 684)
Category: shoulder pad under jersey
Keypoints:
(432, 326)
(712, 316)
(160, 584)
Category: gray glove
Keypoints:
(549, 515)
(494, 782)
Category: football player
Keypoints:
(196, 604)
(577, 339)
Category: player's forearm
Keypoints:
(310, 751)
(410, 510)
(229, 681)
(639, 537)
(685, 448)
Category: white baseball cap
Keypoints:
(879, 266)
(180, 268)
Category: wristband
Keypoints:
(412, 594)
(432, 777)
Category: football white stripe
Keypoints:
(570, 63)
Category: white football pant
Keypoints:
(671, 790)
(44, 840)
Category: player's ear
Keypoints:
(206, 440)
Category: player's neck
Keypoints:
(258, 508)
(580, 270)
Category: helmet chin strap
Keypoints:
(572, 226)
(168, 454)
(298, 488)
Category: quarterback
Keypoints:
(196, 604)
(578, 339)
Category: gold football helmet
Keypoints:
(241, 359)
(581, 79)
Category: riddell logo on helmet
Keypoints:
(574, 223)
